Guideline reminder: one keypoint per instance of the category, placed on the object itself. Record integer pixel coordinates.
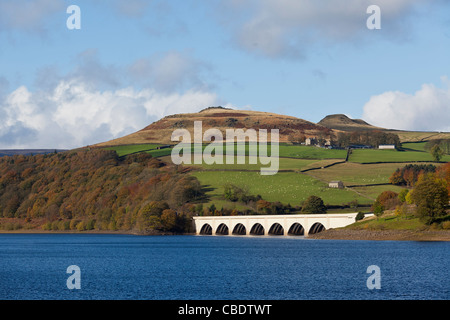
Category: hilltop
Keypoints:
(344, 123)
(222, 119)
(290, 128)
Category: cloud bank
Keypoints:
(94, 102)
(73, 114)
(428, 109)
(287, 28)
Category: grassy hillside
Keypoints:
(222, 119)
(288, 188)
(134, 148)
(372, 155)
(303, 170)
(362, 175)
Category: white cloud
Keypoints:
(95, 102)
(73, 114)
(287, 28)
(428, 109)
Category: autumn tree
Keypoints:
(443, 172)
(385, 201)
(430, 195)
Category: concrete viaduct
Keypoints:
(294, 224)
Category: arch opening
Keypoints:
(276, 229)
(257, 230)
(222, 229)
(206, 229)
(239, 229)
(316, 228)
(296, 230)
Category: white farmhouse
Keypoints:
(386, 147)
(336, 184)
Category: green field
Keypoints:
(358, 174)
(291, 186)
(414, 146)
(284, 164)
(373, 192)
(388, 222)
(128, 149)
(308, 152)
(372, 155)
(286, 187)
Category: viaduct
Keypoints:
(296, 225)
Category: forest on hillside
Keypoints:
(95, 189)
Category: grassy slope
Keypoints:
(388, 221)
(358, 174)
(292, 187)
(372, 155)
(128, 149)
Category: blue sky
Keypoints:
(133, 62)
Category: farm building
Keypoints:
(386, 147)
(310, 141)
(336, 184)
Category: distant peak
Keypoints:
(343, 122)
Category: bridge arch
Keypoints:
(257, 229)
(316, 228)
(222, 229)
(296, 229)
(276, 229)
(239, 229)
(206, 229)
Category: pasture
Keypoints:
(374, 155)
(285, 187)
(358, 174)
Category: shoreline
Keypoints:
(122, 232)
(331, 234)
(383, 235)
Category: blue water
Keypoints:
(33, 266)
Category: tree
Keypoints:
(314, 204)
(169, 220)
(149, 217)
(431, 198)
(385, 201)
(263, 206)
(377, 209)
(443, 172)
(388, 199)
(437, 153)
(402, 195)
(359, 216)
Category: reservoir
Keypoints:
(34, 266)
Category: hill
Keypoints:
(222, 119)
(344, 123)
(290, 128)
(341, 122)
(94, 189)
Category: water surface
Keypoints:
(33, 266)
